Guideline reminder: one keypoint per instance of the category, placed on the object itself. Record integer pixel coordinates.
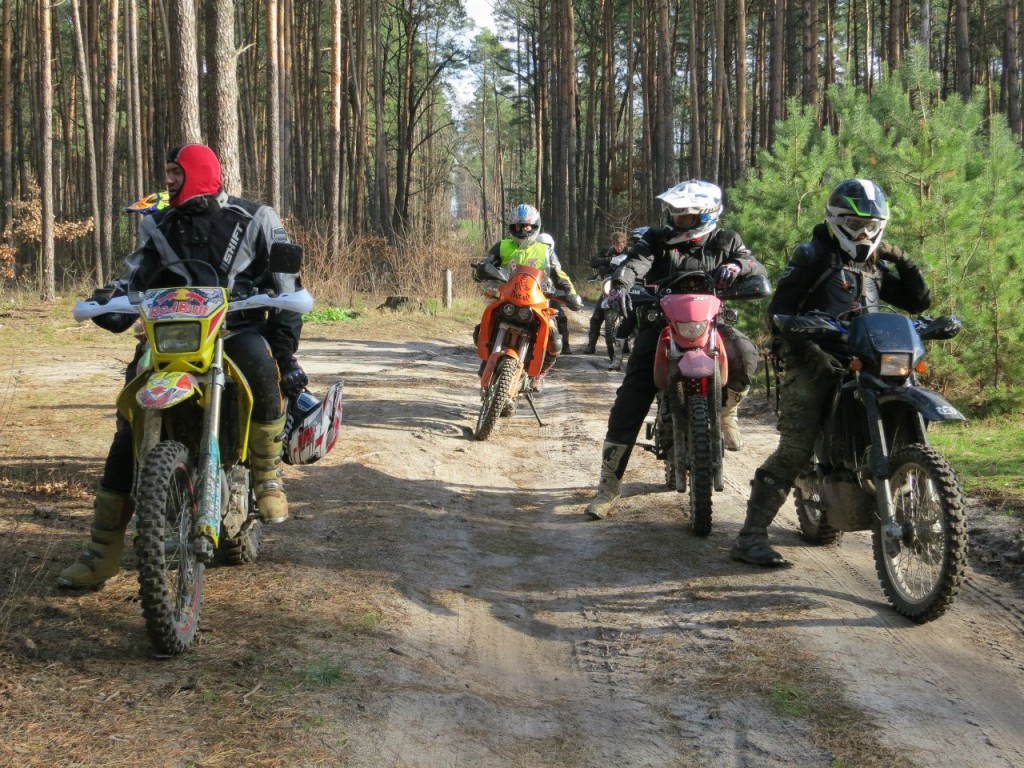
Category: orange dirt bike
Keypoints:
(512, 341)
(189, 407)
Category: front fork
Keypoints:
(881, 471)
(211, 481)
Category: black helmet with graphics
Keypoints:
(857, 212)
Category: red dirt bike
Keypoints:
(512, 341)
(690, 369)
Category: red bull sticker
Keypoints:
(171, 303)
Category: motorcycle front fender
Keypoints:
(165, 389)
(492, 363)
(931, 405)
(696, 364)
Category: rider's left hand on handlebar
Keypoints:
(726, 275)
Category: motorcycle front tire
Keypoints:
(611, 328)
(495, 399)
(921, 573)
(170, 575)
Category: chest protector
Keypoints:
(843, 286)
(533, 255)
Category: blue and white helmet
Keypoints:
(524, 224)
(692, 209)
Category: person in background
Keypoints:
(234, 236)
(606, 262)
(526, 244)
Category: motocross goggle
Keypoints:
(861, 226)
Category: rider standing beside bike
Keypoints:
(845, 266)
(690, 241)
(605, 262)
(526, 244)
(233, 236)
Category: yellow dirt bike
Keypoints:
(189, 407)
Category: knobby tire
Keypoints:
(498, 394)
(809, 513)
(702, 465)
(170, 575)
(921, 575)
(611, 327)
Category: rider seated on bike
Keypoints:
(690, 241)
(527, 245)
(232, 235)
(845, 263)
(605, 262)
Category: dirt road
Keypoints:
(438, 601)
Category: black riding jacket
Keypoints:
(821, 276)
(652, 258)
(233, 235)
(608, 260)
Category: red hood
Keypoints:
(202, 172)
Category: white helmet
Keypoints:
(524, 224)
(857, 213)
(311, 428)
(692, 209)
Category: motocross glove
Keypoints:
(619, 297)
(293, 379)
(893, 254)
(726, 275)
(574, 302)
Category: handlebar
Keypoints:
(300, 301)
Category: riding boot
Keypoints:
(616, 364)
(265, 444)
(562, 322)
(592, 337)
(767, 495)
(101, 558)
(731, 436)
(614, 457)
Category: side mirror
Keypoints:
(286, 258)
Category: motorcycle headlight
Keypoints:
(895, 364)
(508, 310)
(177, 337)
(693, 329)
(524, 314)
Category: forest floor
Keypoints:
(440, 601)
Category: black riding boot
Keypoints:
(767, 494)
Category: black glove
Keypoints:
(726, 275)
(819, 362)
(893, 254)
(293, 379)
(574, 302)
(102, 295)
